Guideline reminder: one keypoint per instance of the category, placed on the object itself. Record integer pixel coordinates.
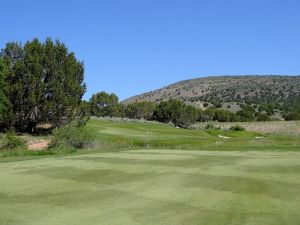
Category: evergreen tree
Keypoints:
(140, 110)
(5, 113)
(177, 112)
(104, 104)
(45, 83)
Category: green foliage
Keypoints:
(237, 128)
(269, 109)
(5, 107)
(10, 141)
(140, 110)
(71, 136)
(205, 104)
(82, 114)
(224, 116)
(211, 126)
(104, 104)
(262, 117)
(177, 112)
(217, 104)
(292, 109)
(220, 115)
(292, 116)
(45, 83)
(245, 116)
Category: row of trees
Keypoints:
(42, 82)
(39, 83)
(175, 111)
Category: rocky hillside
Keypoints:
(230, 91)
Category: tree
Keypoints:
(224, 116)
(292, 116)
(104, 104)
(176, 112)
(5, 109)
(188, 116)
(245, 116)
(140, 110)
(45, 83)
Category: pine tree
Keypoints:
(5, 114)
(45, 83)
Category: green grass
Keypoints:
(126, 178)
(116, 136)
(161, 187)
(132, 135)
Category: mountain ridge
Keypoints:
(227, 89)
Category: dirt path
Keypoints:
(39, 145)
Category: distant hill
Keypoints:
(230, 91)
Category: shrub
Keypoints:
(105, 104)
(140, 110)
(262, 117)
(211, 126)
(177, 112)
(217, 104)
(10, 141)
(237, 128)
(71, 136)
(245, 116)
(292, 116)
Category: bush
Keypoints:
(211, 126)
(217, 104)
(10, 141)
(205, 104)
(262, 117)
(237, 128)
(71, 136)
(177, 112)
(140, 110)
(292, 116)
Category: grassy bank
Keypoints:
(132, 135)
(109, 135)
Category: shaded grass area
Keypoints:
(153, 187)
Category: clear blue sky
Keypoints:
(133, 46)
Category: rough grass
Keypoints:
(111, 135)
(271, 127)
(162, 187)
(132, 135)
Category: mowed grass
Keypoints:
(166, 187)
(133, 135)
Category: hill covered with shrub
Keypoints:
(277, 96)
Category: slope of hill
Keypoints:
(228, 90)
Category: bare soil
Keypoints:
(38, 145)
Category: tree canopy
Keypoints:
(5, 114)
(44, 83)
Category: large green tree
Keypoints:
(5, 112)
(140, 110)
(104, 104)
(177, 112)
(45, 83)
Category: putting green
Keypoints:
(153, 187)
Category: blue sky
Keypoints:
(133, 46)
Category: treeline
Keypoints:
(175, 111)
(40, 83)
